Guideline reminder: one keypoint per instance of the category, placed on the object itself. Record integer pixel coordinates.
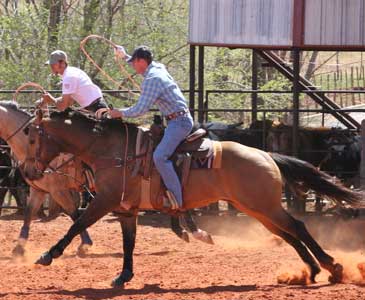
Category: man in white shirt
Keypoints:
(76, 86)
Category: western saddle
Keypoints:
(193, 152)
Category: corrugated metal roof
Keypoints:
(332, 24)
(260, 22)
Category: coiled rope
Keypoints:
(118, 60)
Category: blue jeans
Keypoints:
(177, 130)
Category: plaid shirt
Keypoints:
(159, 88)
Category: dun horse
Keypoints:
(249, 178)
(63, 185)
(63, 189)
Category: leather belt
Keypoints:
(176, 114)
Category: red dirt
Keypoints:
(245, 263)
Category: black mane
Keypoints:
(13, 106)
(78, 115)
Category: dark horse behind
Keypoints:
(11, 179)
(334, 150)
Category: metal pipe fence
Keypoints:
(205, 111)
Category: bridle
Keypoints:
(24, 125)
(37, 157)
(117, 162)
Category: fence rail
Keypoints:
(206, 110)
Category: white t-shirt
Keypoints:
(78, 84)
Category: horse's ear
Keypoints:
(38, 116)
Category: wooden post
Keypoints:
(362, 165)
(192, 81)
(352, 86)
(254, 85)
(346, 88)
(341, 98)
(201, 84)
(296, 95)
(358, 83)
(334, 87)
(362, 76)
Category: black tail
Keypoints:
(298, 173)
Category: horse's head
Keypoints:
(41, 149)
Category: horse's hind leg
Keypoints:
(187, 219)
(298, 230)
(199, 234)
(178, 230)
(302, 251)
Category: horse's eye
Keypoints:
(26, 130)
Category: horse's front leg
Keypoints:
(129, 228)
(3, 191)
(69, 200)
(86, 241)
(33, 204)
(95, 211)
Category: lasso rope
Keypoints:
(26, 85)
(122, 68)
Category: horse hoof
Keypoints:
(123, 277)
(45, 259)
(337, 274)
(83, 250)
(18, 250)
(209, 240)
(314, 272)
(203, 236)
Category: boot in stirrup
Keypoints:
(173, 202)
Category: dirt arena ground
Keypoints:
(244, 263)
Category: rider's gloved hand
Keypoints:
(101, 113)
(47, 98)
(39, 103)
(115, 114)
